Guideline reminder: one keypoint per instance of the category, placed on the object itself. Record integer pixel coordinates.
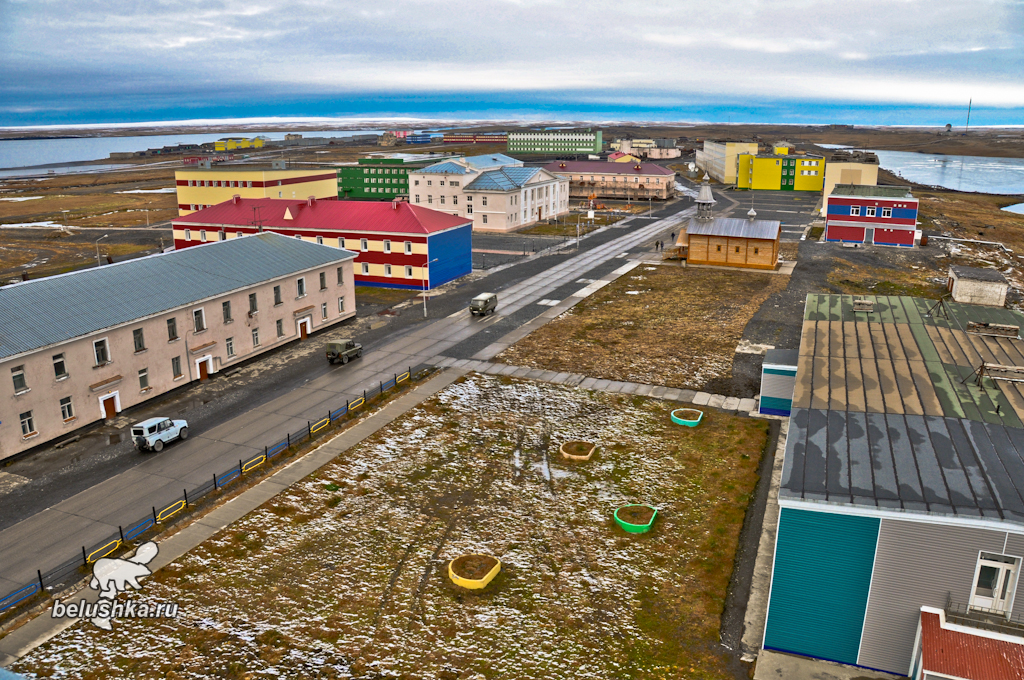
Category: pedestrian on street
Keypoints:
(673, 237)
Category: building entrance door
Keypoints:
(995, 583)
(204, 371)
(109, 407)
(303, 330)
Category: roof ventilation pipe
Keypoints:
(311, 201)
(235, 199)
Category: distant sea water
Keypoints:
(23, 153)
(981, 174)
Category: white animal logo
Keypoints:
(112, 576)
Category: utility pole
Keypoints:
(969, 102)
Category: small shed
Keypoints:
(977, 286)
(778, 379)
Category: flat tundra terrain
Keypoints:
(345, 575)
(660, 325)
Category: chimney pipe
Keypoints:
(235, 199)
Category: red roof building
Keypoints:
(608, 179)
(397, 245)
(956, 652)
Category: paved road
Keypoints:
(50, 536)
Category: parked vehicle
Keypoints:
(152, 434)
(343, 350)
(483, 303)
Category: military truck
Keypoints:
(343, 350)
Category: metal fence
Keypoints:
(986, 619)
(127, 534)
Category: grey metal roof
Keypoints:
(978, 274)
(732, 226)
(911, 462)
(502, 179)
(43, 312)
(871, 190)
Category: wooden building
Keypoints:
(732, 242)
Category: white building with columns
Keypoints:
(494, 190)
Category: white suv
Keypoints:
(152, 434)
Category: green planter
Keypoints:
(630, 526)
(690, 417)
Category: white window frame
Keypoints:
(323, 310)
(341, 304)
(300, 287)
(387, 246)
(1011, 590)
(387, 270)
(229, 346)
(255, 337)
(364, 245)
(202, 235)
(854, 211)
(202, 315)
(365, 268)
(870, 211)
(106, 349)
(408, 247)
(188, 232)
(408, 271)
(67, 411)
(886, 212)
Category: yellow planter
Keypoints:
(473, 583)
(569, 456)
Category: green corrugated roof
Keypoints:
(870, 190)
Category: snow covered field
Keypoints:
(345, 574)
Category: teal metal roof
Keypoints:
(491, 160)
(502, 179)
(42, 312)
(444, 168)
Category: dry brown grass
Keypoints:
(858, 279)
(344, 574)
(680, 328)
(973, 216)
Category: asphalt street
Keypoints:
(45, 523)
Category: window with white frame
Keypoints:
(143, 378)
(483, 200)
(408, 271)
(60, 367)
(202, 235)
(364, 245)
(100, 352)
(18, 376)
(387, 246)
(364, 268)
(67, 410)
(277, 296)
(188, 232)
(139, 340)
(28, 424)
(869, 211)
(886, 212)
(255, 337)
(417, 196)
(320, 240)
(199, 320)
(229, 346)
(408, 247)
(469, 209)
(280, 328)
(341, 304)
(387, 270)
(323, 310)
(300, 287)
(176, 366)
(485, 219)
(854, 211)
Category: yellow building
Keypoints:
(720, 158)
(849, 167)
(203, 187)
(774, 172)
(234, 143)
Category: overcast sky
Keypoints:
(62, 54)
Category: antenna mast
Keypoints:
(969, 102)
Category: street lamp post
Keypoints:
(426, 279)
(97, 244)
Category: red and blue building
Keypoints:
(882, 215)
(397, 245)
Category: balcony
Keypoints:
(984, 619)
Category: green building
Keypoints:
(564, 142)
(378, 179)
